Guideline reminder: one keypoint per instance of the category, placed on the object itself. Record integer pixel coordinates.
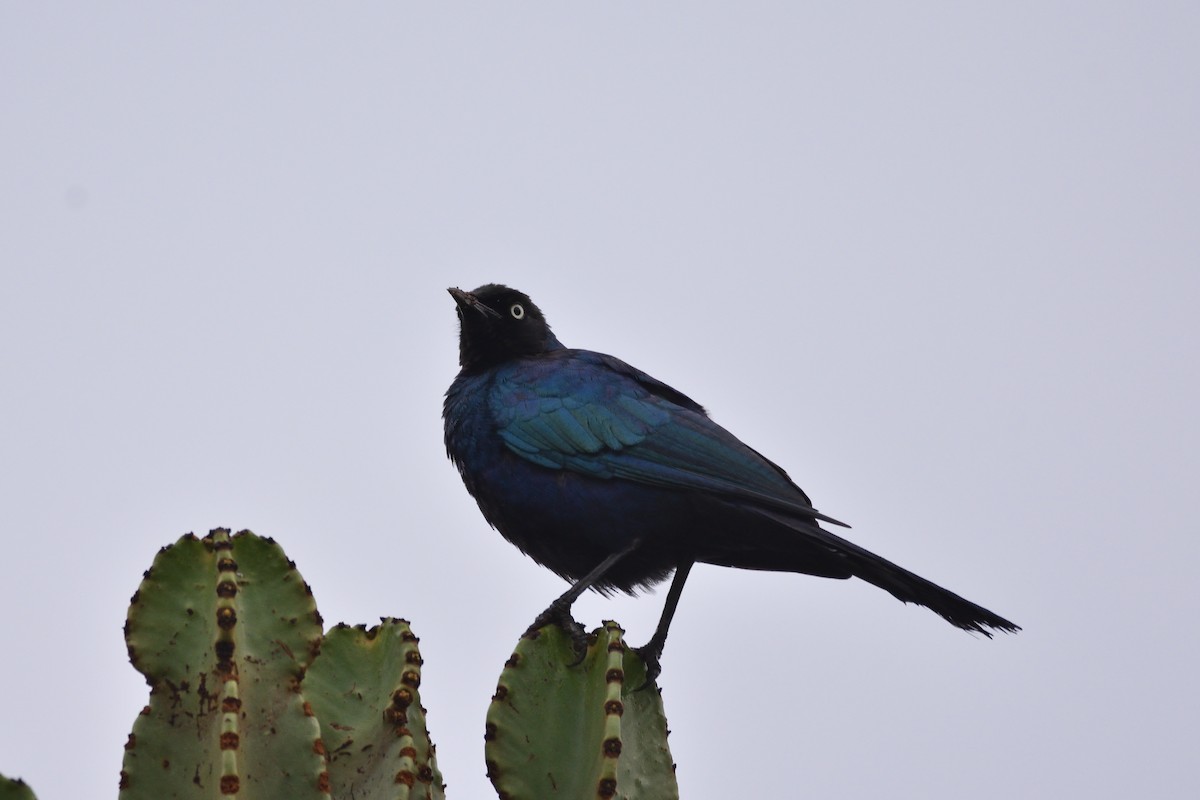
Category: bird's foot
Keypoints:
(560, 614)
(650, 653)
(555, 614)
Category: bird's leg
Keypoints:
(559, 612)
(652, 649)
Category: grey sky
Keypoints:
(939, 261)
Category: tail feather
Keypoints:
(912, 588)
(899, 582)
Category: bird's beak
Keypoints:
(468, 300)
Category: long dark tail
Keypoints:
(912, 588)
(902, 584)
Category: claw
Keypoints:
(650, 653)
(560, 615)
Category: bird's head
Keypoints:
(497, 324)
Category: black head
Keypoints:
(497, 324)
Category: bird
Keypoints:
(613, 479)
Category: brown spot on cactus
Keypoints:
(614, 707)
(224, 649)
(230, 705)
(226, 565)
(615, 675)
(501, 693)
(227, 589)
(166, 763)
(308, 712)
(411, 678)
(408, 752)
(319, 746)
(402, 698)
(284, 647)
(413, 657)
(323, 782)
(616, 646)
(489, 732)
(229, 784)
(229, 740)
(131, 741)
(405, 777)
(513, 660)
(123, 783)
(612, 747)
(226, 618)
(607, 787)
(425, 774)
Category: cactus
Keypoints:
(15, 789)
(228, 635)
(364, 690)
(561, 729)
(223, 628)
(247, 698)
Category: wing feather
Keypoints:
(596, 415)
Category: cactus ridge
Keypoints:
(577, 730)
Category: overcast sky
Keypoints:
(938, 260)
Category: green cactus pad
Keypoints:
(364, 688)
(224, 628)
(15, 789)
(560, 729)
